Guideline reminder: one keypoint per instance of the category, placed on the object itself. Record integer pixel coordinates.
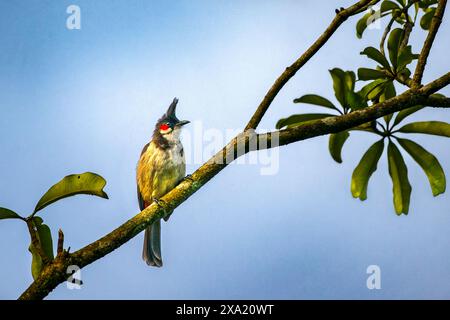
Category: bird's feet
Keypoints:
(163, 205)
(188, 178)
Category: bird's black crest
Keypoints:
(172, 108)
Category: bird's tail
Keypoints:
(152, 245)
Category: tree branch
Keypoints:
(337, 124)
(55, 272)
(290, 71)
(35, 240)
(385, 33)
(406, 33)
(435, 85)
(434, 27)
(438, 102)
(407, 28)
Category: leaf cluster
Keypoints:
(378, 83)
(42, 249)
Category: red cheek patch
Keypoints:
(164, 127)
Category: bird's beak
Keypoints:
(182, 123)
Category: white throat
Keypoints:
(174, 136)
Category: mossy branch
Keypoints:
(54, 273)
(434, 27)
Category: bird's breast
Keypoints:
(160, 170)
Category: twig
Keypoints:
(409, 24)
(35, 241)
(435, 85)
(60, 248)
(406, 33)
(422, 60)
(406, 29)
(290, 71)
(373, 2)
(403, 80)
(385, 33)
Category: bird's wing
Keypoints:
(145, 148)
(142, 204)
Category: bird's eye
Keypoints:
(164, 127)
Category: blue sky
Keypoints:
(86, 100)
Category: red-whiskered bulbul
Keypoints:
(160, 168)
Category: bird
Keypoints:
(160, 168)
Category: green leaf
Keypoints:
(376, 86)
(339, 84)
(361, 25)
(399, 176)
(355, 101)
(438, 95)
(370, 74)
(298, 119)
(316, 100)
(388, 93)
(366, 20)
(368, 127)
(85, 183)
(377, 56)
(404, 74)
(406, 112)
(405, 57)
(38, 220)
(416, 9)
(388, 118)
(364, 170)
(8, 214)
(399, 16)
(335, 144)
(388, 5)
(395, 37)
(344, 86)
(425, 21)
(426, 3)
(437, 128)
(36, 262)
(429, 164)
(45, 238)
(377, 91)
(402, 2)
(349, 80)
